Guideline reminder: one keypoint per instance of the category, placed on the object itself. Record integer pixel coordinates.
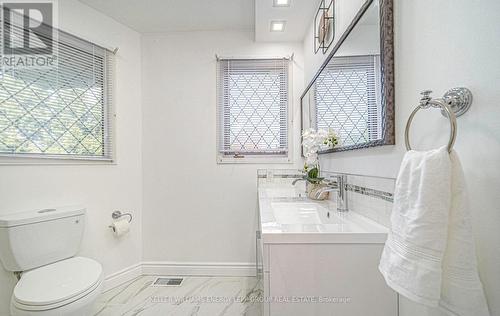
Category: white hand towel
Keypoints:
(429, 256)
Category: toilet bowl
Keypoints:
(67, 287)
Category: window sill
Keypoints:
(254, 160)
(24, 161)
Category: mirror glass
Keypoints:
(347, 95)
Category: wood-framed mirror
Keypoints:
(352, 94)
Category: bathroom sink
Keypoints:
(306, 213)
(286, 217)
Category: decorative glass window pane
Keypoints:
(59, 111)
(253, 107)
(346, 95)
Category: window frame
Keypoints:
(263, 158)
(109, 116)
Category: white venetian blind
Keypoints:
(59, 111)
(252, 107)
(346, 98)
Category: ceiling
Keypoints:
(298, 17)
(151, 16)
(154, 16)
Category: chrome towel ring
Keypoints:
(454, 103)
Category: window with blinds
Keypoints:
(59, 111)
(252, 108)
(346, 97)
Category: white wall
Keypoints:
(101, 188)
(440, 45)
(194, 209)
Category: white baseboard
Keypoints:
(122, 276)
(198, 268)
(178, 269)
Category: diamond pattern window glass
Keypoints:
(60, 111)
(253, 107)
(346, 98)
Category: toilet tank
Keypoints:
(32, 239)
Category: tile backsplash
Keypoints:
(367, 195)
(376, 208)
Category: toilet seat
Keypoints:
(57, 284)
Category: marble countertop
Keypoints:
(286, 216)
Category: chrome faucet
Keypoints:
(339, 185)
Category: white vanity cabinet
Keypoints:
(316, 261)
(325, 279)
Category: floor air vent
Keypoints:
(167, 282)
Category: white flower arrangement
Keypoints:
(312, 142)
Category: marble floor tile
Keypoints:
(196, 296)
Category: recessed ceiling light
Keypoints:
(281, 3)
(278, 26)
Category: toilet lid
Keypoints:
(57, 282)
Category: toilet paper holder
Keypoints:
(117, 215)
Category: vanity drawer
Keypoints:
(344, 276)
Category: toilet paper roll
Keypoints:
(120, 227)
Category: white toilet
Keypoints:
(42, 245)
